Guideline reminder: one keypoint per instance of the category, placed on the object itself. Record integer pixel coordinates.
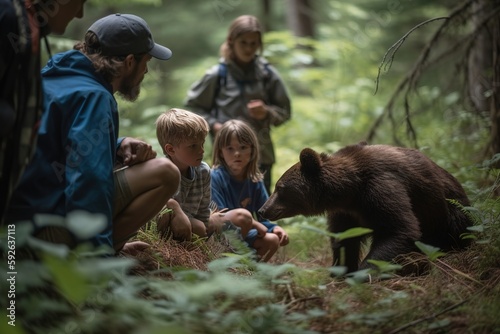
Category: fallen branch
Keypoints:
(299, 300)
(433, 316)
(460, 273)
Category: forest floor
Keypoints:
(453, 296)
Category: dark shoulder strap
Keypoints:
(267, 67)
(222, 77)
(221, 81)
(222, 74)
(268, 72)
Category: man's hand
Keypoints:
(134, 151)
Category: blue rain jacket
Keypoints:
(72, 168)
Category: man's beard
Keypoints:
(129, 88)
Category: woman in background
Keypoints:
(243, 86)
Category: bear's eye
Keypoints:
(284, 189)
(279, 187)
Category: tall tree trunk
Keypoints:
(480, 60)
(484, 69)
(266, 15)
(495, 86)
(300, 18)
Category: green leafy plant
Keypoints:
(432, 252)
(350, 233)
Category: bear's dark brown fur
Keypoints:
(397, 192)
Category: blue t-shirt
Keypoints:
(231, 194)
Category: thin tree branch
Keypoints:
(432, 316)
(395, 47)
(409, 82)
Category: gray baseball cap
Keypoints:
(124, 34)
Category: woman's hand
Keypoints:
(257, 109)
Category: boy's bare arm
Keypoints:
(261, 228)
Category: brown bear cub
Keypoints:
(398, 193)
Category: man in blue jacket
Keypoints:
(79, 162)
(24, 25)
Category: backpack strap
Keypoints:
(222, 76)
(221, 82)
(267, 74)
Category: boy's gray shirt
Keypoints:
(193, 194)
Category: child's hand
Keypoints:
(257, 109)
(282, 235)
(261, 229)
(217, 221)
(214, 226)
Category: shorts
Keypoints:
(122, 197)
(251, 237)
(228, 227)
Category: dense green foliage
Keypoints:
(332, 87)
(80, 291)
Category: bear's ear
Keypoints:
(310, 162)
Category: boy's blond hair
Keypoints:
(176, 126)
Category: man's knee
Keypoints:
(167, 171)
(166, 174)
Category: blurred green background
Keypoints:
(331, 78)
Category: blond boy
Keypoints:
(182, 135)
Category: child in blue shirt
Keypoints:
(237, 185)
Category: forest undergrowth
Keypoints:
(216, 285)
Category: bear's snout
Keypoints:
(264, 210)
